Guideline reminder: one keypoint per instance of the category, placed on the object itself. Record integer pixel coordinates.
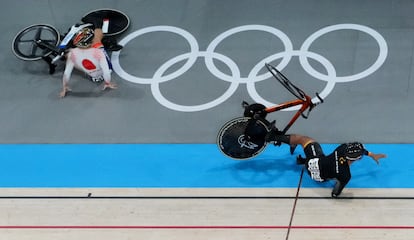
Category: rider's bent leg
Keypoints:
(98, 36)
(293, 140)
(275, 136)
(301, 140)
(312, 150)
(109, 43)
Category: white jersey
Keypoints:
(92, 61)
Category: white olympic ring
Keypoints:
(191, 58)
(235, 78)
(380, 60)
(327, 64)
(210, 49)
(158, 74)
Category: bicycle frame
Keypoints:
(246, 137)
(306, 104)
(73, 30)
(60, 50)
(302, 99)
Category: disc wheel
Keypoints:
(242, 138)
(118, 21)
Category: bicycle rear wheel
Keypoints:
(25, 46)
(118, 21)
(242, 138)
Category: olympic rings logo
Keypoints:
(253, 77)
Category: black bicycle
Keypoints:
(44, 42)
(244, 137)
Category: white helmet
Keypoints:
(83, 39)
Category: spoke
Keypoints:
(51, 41)
(25, 41)
(38, 33)
(33, 50)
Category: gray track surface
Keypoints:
(375, 109)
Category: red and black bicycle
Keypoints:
(244, 137)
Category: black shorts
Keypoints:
(313, 150)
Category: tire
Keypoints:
(118, 21)
(242, 138)
(24, 43)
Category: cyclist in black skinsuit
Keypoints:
(323, 167)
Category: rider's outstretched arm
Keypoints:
(376, 156)
(66, 76)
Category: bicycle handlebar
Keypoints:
(312, 105)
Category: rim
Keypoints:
(17, 40)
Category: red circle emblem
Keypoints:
(87, 64)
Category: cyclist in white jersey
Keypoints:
(90, 57)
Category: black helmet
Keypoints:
(354, 151)
(256, 108)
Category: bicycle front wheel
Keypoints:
(25, 46)
(242, 138)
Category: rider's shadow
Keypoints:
(84, 88)
(264, 171)
(86, 94)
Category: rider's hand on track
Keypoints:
(62, 94)
(110, 86)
